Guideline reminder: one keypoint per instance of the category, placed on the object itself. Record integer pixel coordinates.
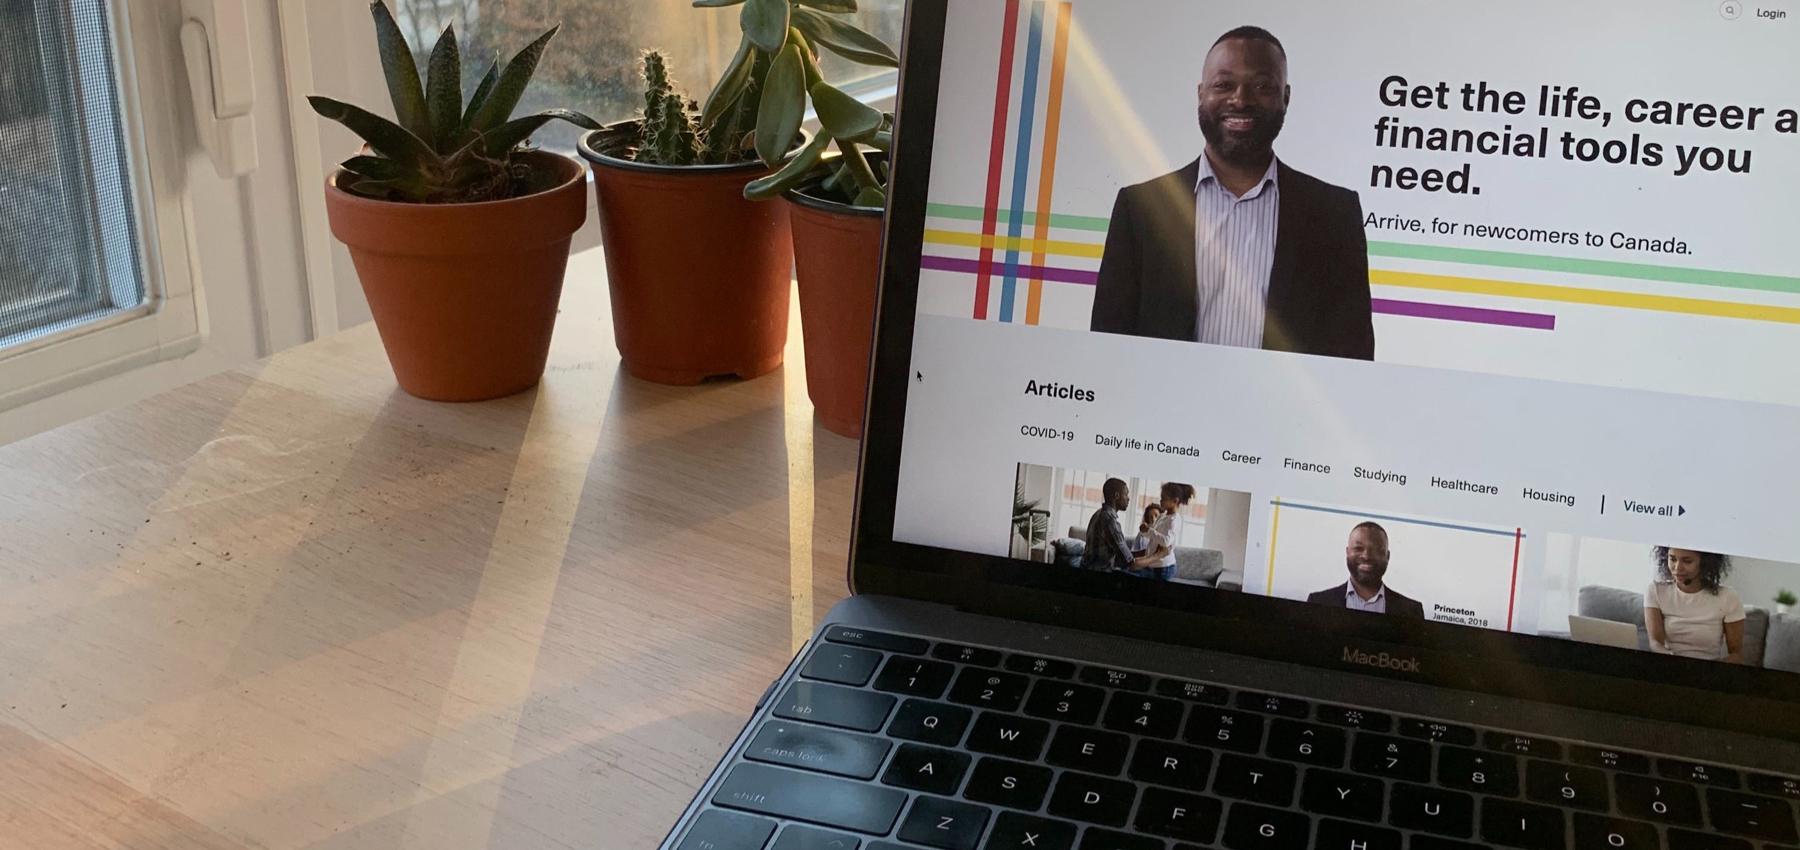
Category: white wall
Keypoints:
(1228, 528)
(1612, 563)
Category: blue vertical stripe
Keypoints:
(1022, 159)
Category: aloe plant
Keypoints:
(443, 149)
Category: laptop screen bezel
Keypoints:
(1708, 694)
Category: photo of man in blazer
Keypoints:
(1238, 248)
(1366, 556)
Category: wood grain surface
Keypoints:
(292, 607)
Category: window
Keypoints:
(69, 252)
(592, 65)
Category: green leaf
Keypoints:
(790, 175)
(839, 6)
(443, 91)
(372, 167)
(482, 90)
(387, 138)
(870, 198)
(836, 179)
(715, 4)
(505, 96)
(882, 141)
(765, 23)
(401, 71)
(844, 116)
(731, 85)
(783, 106)
(495, 143)
(844, 39)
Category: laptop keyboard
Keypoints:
(887, 742)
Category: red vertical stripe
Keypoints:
(1512, 595)
(996, 155)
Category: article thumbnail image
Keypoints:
(1157, 530)
(1661, 597)
(1398, 565)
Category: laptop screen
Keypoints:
(1480, 315)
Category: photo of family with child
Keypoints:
(1156, 530)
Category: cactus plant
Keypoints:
(671, 132)
(443, 150)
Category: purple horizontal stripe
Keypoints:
(1025, 272)
(1477, 315)
(1446, 312)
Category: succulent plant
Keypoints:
(443, 150)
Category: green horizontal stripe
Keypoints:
(1098, 224)
(1465, 256)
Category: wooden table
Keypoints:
(292, 607)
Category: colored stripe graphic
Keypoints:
(952, 264)
(996, 152)
(1512, 595)
(1097, 224)
(976, 240)
(1434, 524)
(1274, 535)
(1595, 297)
(1022, 154)
(1059, 56)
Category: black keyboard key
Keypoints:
(1344, 835)
(966, 654)
(1342, 795)
(1225, 730)
(1014, 831)
(1356, 718)
(1444, 812)
(1035, 666)
(1446, 733)
(1142, 715)
(1661, 800)
(1594, 832)
(1066, 702)
(1693, 771)
(799, 837)
(1566, 785)
(930, 722)
(1250, 827)
(944, 824)
(1106, 839)
(1193, 691)
(1522, 745)
(1307, 742)
(1532, 827)
(834, 706)
(1112, 678)
(1421, 841)
(1173, 765)
(1478, 770)
(1186, 817)
(1762, 818)
(824, 800)
(1780, 786)
(876, 640)
(1685, 839)
(1089, 798)
(1256, 780)
(1271, 704)
(1090, 750)
(1394, 758)
(1012, 784)
(927, 769)
(989, 689)
(915, 677)
(721, 830)
(817, 748)
(1008, 735)
(1608, 757)
(845, 665)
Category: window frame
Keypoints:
(170, 322)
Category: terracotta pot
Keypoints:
(837, 252)
(464, 295)
(699, 276)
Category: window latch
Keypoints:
(215, 42)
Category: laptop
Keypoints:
(1407, 319)
(1603, 632)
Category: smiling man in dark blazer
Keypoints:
(1366, 556)
(1237, 248)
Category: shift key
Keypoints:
(810, 797)
(831, 705)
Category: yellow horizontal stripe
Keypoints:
(1007, 243)
(1597, 297)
